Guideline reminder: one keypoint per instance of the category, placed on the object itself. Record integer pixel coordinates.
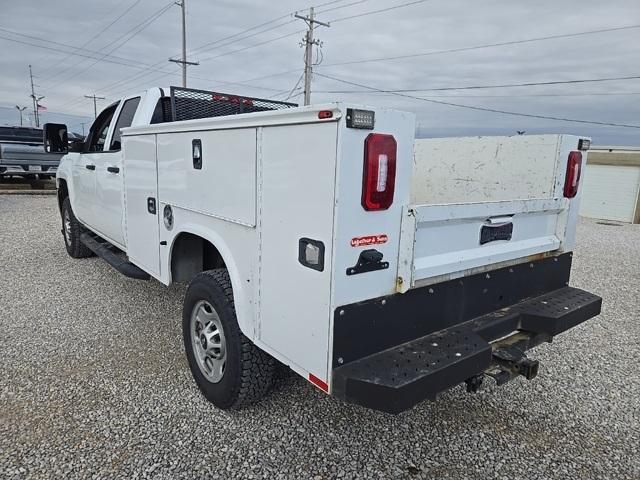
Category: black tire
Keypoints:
(75, 248)
(248, 371)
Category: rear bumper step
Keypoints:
(117, 260)
(398, 378)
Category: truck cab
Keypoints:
(96, 169)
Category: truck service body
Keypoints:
(383, 270)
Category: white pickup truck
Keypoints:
(382, 269)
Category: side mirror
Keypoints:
(76, 145)
(55, 138)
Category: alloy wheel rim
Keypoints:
(208, 341)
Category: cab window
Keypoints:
(124, 120)
(100, 128)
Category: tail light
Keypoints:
(379, 178)
(572, 178)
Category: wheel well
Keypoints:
(63, 192)
(191, 255)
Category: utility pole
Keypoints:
(21, 109)
(184, 61)
(309, 42)
(35, 98)
(95, 108)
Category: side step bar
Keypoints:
(104, 250)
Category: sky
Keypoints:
(252, 48)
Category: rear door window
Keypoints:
(124, 120)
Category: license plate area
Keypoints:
(491, 233)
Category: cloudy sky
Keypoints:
(251, 47)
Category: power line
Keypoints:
(238, 34)
(141, 74)
(131, 32)
(483, 109)
(341, 6)
(269, 22)
(297, 32)
(592, 94)
(302, 31)
(480, 87)
(97, 34)
(372, 12)
(79, 54)
(478, 47)
(88, 53)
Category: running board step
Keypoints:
(494, 344)
(105, 251)
(393, 380)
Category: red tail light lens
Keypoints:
(379, 179)
(572, 179)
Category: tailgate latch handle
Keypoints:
(368, 261)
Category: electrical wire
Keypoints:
(504, 85)
(589, 94)
(482, 109)
(131, 32)
(478, 47)
(94, 37)
(152, 67)
(341, 6)
(372, 12)
(294, 87)
(87, 53)
(79, 54)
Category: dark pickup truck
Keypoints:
(22, 153)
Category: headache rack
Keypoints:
(189, 104)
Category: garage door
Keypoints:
(610, 192)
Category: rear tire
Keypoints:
(228, 368)
(71, 231)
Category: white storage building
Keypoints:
(611, 184)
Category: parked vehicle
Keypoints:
(314, 236)
(21, 153)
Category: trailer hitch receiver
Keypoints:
(511, 362)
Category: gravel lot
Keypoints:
(94, 384)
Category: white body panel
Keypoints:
(295, 201)
(484, 169)
(228, 159)
(611, 192)
(141, 184)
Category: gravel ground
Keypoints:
(94, 384)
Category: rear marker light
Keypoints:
(322, 114)
(584, 144)
(318, 383)
(572, 178)
(364, 119)
(379, 172)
